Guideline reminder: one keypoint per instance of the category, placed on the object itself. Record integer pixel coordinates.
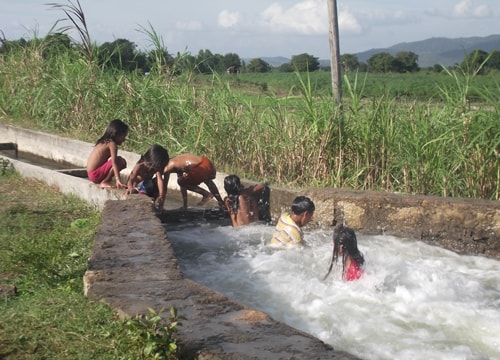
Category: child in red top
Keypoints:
(346, 245)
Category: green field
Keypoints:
(423, 85)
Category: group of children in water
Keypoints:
(151, 174)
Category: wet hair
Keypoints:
(151, 187)
(233, 187)
(302, 204)
(345, 237)
(115, 129)
(156, 157)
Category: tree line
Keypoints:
(477, 61)
(123, 54)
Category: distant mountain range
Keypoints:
(442, 51)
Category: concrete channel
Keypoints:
(133, 267)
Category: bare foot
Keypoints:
(205, 200)
(106, 185)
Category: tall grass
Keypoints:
(446, 145)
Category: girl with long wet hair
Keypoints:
(345, 245)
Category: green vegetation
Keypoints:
(154, 336)
(423, 86)
(45, 241)
(416, 132)
(407, 61)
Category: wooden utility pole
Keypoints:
(334, 50)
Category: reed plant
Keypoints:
(446, 144)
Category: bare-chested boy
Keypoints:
(192, 170)
(243, 203)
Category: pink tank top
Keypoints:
(354, 271)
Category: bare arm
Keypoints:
(133, 179)
(253, 189)
(259, 187)
(113, 149)
(162, 188)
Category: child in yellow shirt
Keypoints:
(288, 230)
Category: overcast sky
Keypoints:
(259, 28)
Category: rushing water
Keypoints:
(415, 301)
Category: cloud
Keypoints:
(306, 17)
(228, 19)
(348, 23)
(385, 17)
(357, 21)
(188, 25)
(464, 9)
(309, 17)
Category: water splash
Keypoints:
(415, 301)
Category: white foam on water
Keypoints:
(415, 301)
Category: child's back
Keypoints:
(182, 164)
(192, 170)
(243, 203)
(99, 155)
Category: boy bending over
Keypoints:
(192, 170)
